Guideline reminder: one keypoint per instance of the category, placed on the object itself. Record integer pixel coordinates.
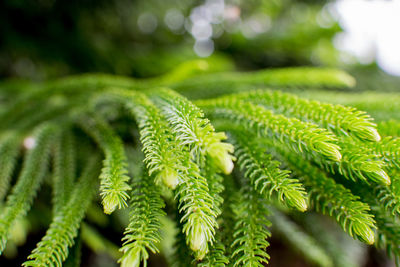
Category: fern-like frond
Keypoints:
(33, 171)
(143, 232)
(334, 199)
(251, 233)
(214, 181)
(338, 118)
(264, 173)
(64, 169)
(300, 240)
(157, 141)
(198, 207)
(9, 150)
(219, 83)
(388, 197)
(389, 150)
(182, 256)
(174, 166)
(299, 136)
(216, 257)
(193, 130)
(113, 178)
(52, 250)
(358, 163)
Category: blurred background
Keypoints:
(41, 39)
(46, 39)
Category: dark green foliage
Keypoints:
(9, 149)
(33, 171)
(64, 173)
(52, 250)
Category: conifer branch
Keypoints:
(216, 257)
(9, 150)
(220, 83)
(299, 136)
(340, 119)
(158, 142)
(388, 150)
(194, 130)
(173, 164)
(113, 178)
(388, 234)
(264, 173)
(143, 232)
(251, 231)
(52, 250)
(333, 199)
(33, 171)
(64, 169)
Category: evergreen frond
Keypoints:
(338, 118)
(251, 233)
(220, 83)
(264, 173)
(113, 178)
(9, 150)
(299, 136)
(160, 151)
(214, 181)
(216, 257)
(143, 232)
(334, 199)
(52, 250)
(33, 171)
(359, 162)
(64, 169)
(198, 207)
(389, 150)
(389, 197)
(193, 130)
(176, 169)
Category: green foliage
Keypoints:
(143, 231)
(334, 200)
(221, 168)
(299, 136)
(9, 149)
(64, 169)
(264, 173)
(340, 119)
(113, 177)
(33, 171)
(52, 250)
(250, 231)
